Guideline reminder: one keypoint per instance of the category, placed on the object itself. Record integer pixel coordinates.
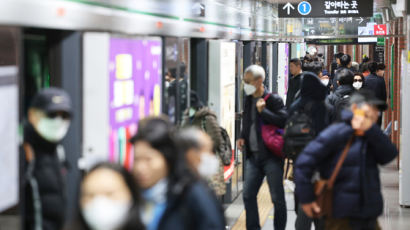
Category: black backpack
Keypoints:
(226, 152)
(298, 132)
(226, 147)
(341, 103)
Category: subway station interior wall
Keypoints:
(96, 95)
(283, 69)
(222, 83)
(404, 164)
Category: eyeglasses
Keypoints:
(63, 115)
(357, 80)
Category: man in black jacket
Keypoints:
(260, 162)
(294, 81)
(345, 63)
(313, 94)
(43, 188)
(335, 66)
(336, 100)
(375, 82)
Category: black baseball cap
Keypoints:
(52, 100)
(195, 101)
(368, 97)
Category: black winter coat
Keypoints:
(195, 208)
(48, 174)
(335, 76)
(313, 92)
(333, 98)
(357, 189)
(294, 87)
(377, 85)
(274, 113)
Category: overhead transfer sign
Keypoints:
(325, 9)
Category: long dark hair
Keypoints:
(133, 221)
(160, 134)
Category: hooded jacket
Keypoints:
(313, 92)
(274, 113)
(333, 98)
(48, 175)
(357, 189)
(206, 120)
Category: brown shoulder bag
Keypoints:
(324, 188)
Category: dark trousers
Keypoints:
(352, 224)
(303, 222)
(255, 171)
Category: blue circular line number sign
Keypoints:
(304, 8)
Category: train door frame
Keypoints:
(199, 68)
(221, 91)
(274, 71)
(264, 62)
(71, 81)
(247, 61)
(180, 48)
(236, 182)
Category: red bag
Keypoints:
(272, 136)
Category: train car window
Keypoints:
(176, 90)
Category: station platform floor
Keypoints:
(393, 218)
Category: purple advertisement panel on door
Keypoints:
(135, 91)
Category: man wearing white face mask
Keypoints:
(261, 108)
(324, 78)
(48, 122)
(197, 146)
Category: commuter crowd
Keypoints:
(326, 137)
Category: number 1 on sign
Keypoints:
(304, 8)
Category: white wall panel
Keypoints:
(96, 94)
(283, 69)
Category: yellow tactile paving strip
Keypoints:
(264, 204)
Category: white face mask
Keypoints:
(249, 89)
(357, 85)
(103, 213)
(192, 112)
(325, 82)
(209, 165)
(52, 129)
